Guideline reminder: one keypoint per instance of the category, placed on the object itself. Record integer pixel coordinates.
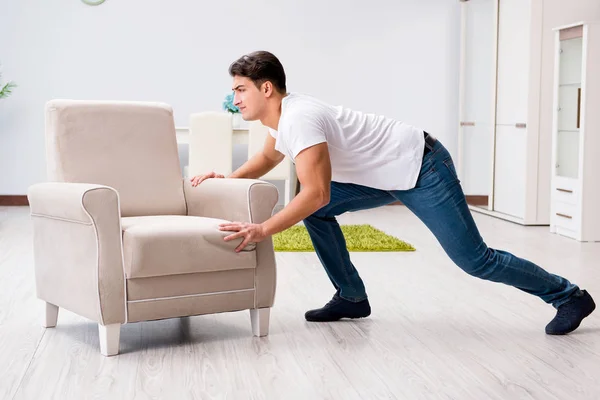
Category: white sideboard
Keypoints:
(575, 198)
(240, 136)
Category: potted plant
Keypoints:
(228, 106)
(6, 89)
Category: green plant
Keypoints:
(6, 89)
(229, 106)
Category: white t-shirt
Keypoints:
(364, 149)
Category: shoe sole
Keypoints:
(332, 320)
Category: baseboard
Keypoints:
(472, 200)
(14, 200)
(479, 200)
(21, 200)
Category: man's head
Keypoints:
(258, 82)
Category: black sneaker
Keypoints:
(569, 315)
(338, 308)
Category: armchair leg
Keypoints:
(259, 317)
(109, 339)
(51, 315)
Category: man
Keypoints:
(347, 160)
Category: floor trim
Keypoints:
(13, 200)
(21, 200)
(477, 200)
(474, 200)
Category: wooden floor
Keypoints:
(435, 332)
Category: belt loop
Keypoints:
(429, 143)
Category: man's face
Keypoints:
(248, 98)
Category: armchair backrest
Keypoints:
(130, 146)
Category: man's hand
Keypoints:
(196, 180)
(250, 232)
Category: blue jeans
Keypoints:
(438, 201)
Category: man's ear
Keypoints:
(267, 88)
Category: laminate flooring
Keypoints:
(435, 332)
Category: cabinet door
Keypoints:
(477, 164)
(477, 96)
(514, 24)
(509, 179)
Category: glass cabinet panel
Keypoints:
(569, 106)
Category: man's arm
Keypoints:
(261, 163)
(313, 168)
(258, 165)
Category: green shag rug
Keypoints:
(363, 238)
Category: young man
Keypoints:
(347, 160)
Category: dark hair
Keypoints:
(259, 67)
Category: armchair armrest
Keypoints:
(77, 245)
(61, 200)
(244, 200)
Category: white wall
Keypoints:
(396, 57)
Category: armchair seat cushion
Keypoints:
(177, 244)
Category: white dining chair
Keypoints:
(210, 143)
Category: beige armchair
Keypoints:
(120, 236)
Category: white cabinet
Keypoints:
(509, 167)
(575, 197)
(478, 65)
(511, 107)
(514, 24)
(498, 160)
